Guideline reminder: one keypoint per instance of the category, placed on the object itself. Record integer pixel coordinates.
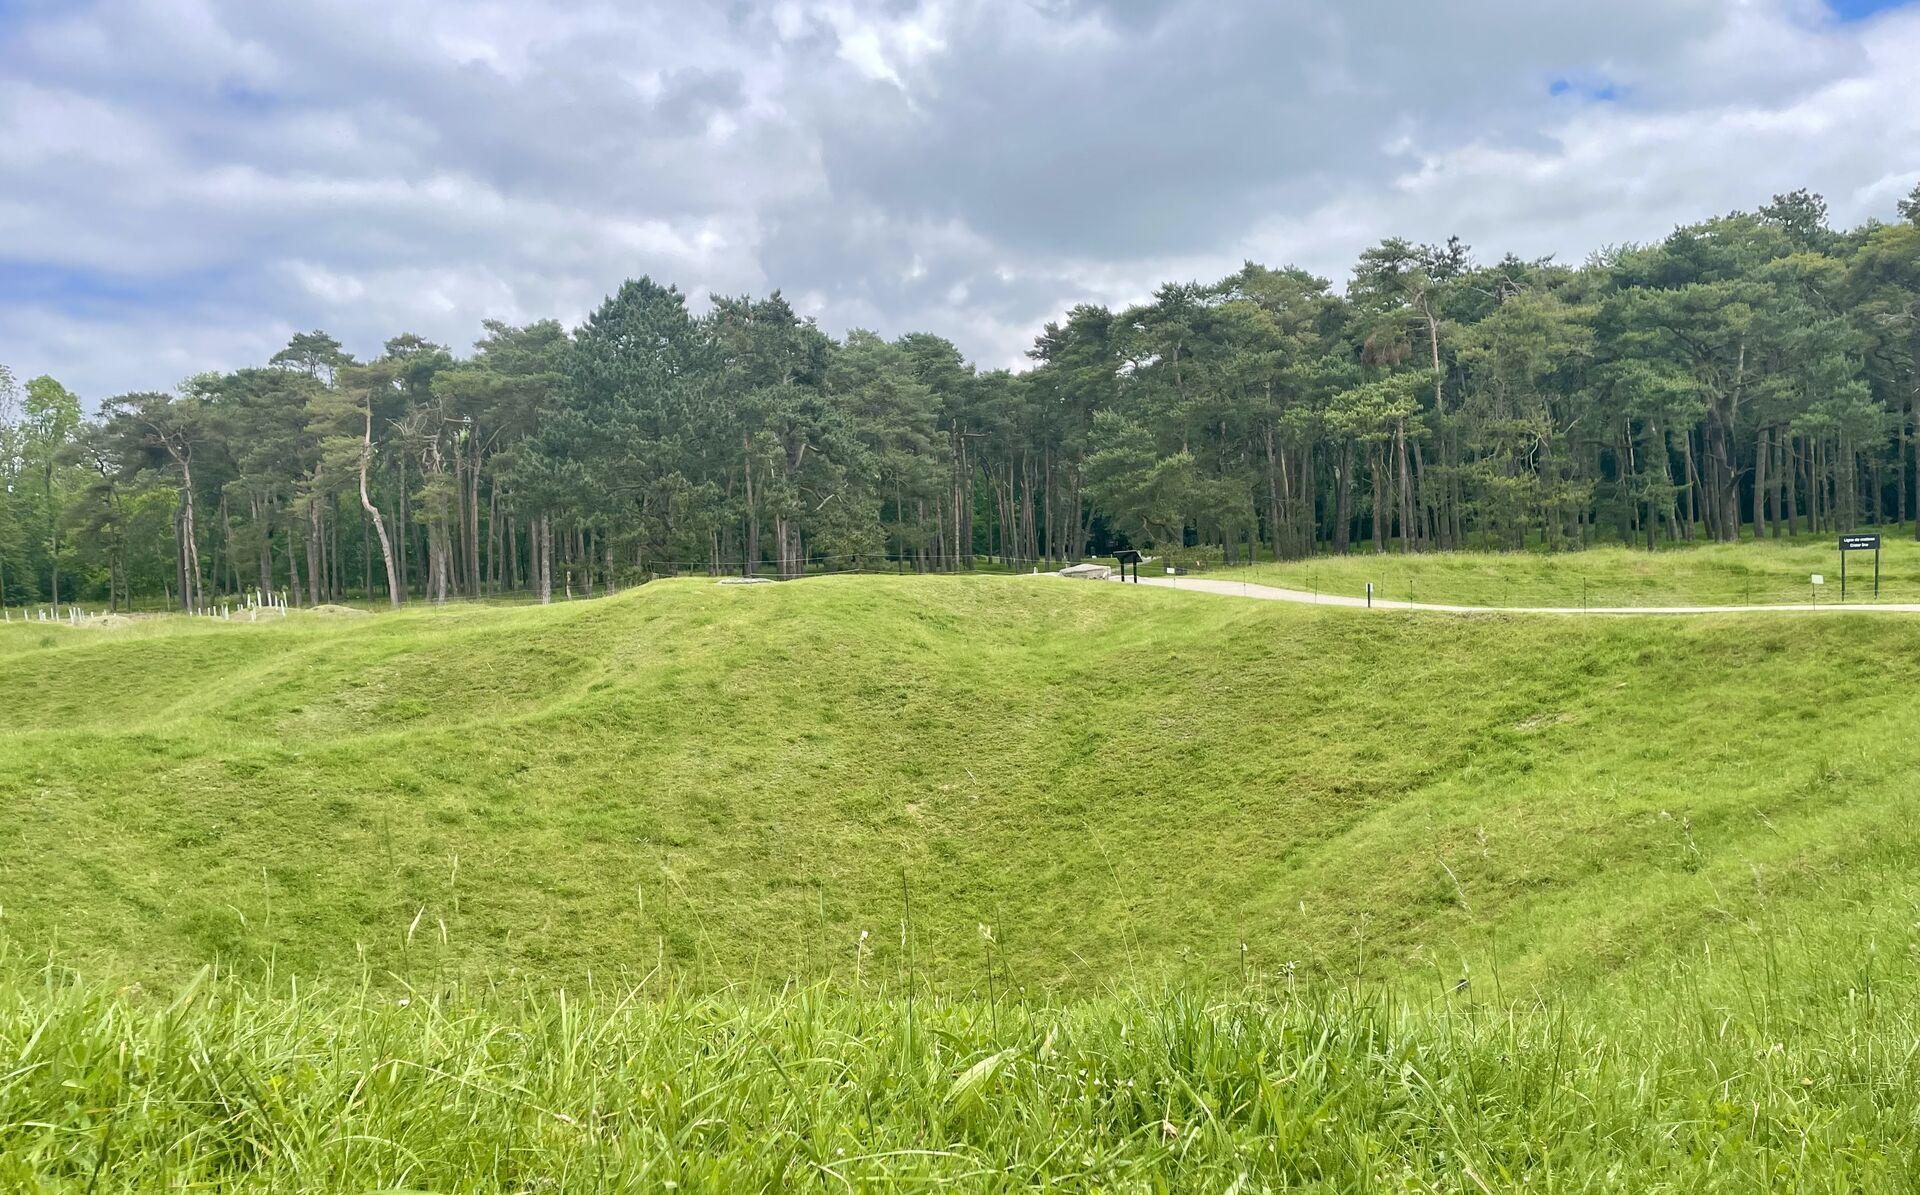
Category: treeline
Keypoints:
(1755, 374)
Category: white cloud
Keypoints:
(183, 183)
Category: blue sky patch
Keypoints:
(92, 292)
(239, 95)
(1604, 91)
(1860, 10)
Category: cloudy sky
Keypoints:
(185, 183)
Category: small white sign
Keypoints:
(1818, 579)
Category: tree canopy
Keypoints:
(1756, 373)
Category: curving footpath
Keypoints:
(1273, 593)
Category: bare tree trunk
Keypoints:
(473, 517)
(493, 537)
(293, 565)
(544, 564)
(1408, 535)
(337, 566)
(510, 559)
(1790, 466)
(1433, 340)
(439, 567)
(179, 557)
(314, 574)
(456, 531)
(1343, 503)
(400, 526)
(1380, 515)
(1275, 473)
(1306, 516)
(1900, 470)
(751, 560)
(262, 519)
(1815, 484)
(373, 512)
(1694, 496)
(1776, 479)
(192, 534)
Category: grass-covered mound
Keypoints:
(1048, 785)
(1768, 572)
(979, 884)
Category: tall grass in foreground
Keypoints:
(1713, 1078)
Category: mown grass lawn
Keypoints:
(1767, 572)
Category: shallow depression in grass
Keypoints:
(752, 784)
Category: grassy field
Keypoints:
(737, 886)
(736, 783)
(1797, 1073)
(1770, 572)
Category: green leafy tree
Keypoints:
(50, 419)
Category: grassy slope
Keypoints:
(730, 782)
(1770, 572)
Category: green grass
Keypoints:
(736, 782)
(712, 883)
(1770, 572)
(1714, 1076)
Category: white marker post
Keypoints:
(1818, 581)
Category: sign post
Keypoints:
(1859, 543)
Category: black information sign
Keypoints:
(1859, 543)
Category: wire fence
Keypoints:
(852, 563)
(872, 564)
